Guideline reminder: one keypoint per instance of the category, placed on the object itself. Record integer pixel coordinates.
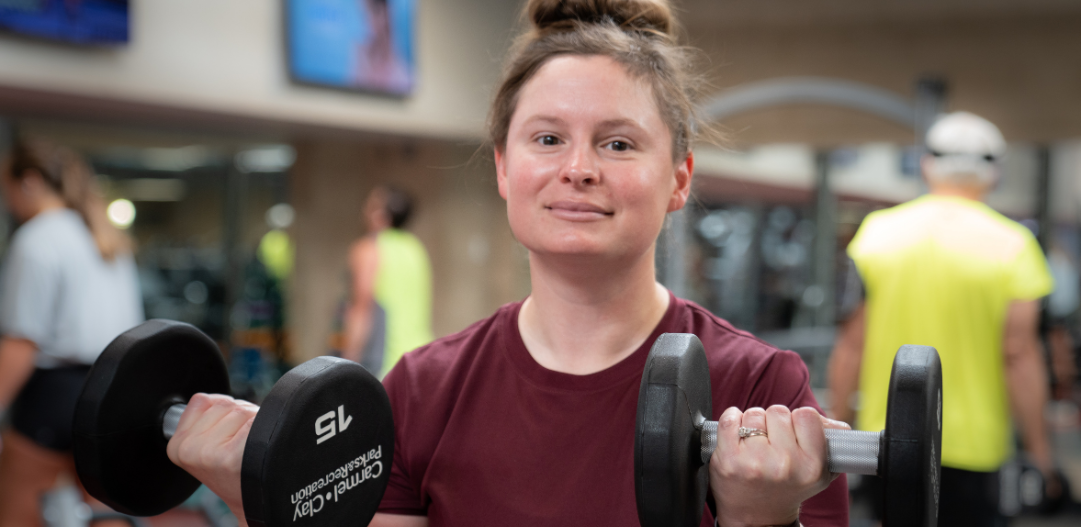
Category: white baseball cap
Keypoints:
(965, 143)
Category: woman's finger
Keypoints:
(728, 431)
(811, 437)
(809, 428)
(230, 424)
(755, 418)
(779, 423)
(202, 413)
(835, 424)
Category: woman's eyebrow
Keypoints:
(605, 126)
(545, 119)
(611, 124)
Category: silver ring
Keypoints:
(745, 432)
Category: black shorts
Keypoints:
(967, 499)
(45, 408)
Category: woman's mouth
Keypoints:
(577, 211)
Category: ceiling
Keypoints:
(743, 13)
(1015, 62)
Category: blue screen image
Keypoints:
(77, 21)
(359, 44)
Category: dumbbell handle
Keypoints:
(847, 451)
(171, 419)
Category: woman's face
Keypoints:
(375, 211)
(14, 192)
(588, 167)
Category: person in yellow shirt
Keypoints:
(945, 270)
(390, 305)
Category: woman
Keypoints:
(527, 417)
(378, 64)
(68, 288)
(389, 311)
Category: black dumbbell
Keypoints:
(319, 450)
(674, 438)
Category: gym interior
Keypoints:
(213, 141)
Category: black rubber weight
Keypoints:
(320, 449)
(118, 443)
(670, 479)
(912, 457)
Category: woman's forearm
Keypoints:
(358, 327)
(16, 365)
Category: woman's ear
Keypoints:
(682, 190)
(501, 172)
(32, 182)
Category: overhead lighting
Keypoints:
(121, 213)
(151, 189)
(177, 159)
(269, 158)
(280, 216)
(166, 159)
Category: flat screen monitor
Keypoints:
(76, 21)
(362, 45)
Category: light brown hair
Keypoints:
(640, 35)
(67, 174)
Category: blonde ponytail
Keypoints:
(73, 180)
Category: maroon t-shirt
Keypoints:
(486, 436)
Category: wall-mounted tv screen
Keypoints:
(77, 21)
(355, 44)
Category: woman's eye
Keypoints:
(549, 140)
(619, 146)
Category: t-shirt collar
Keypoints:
(619, 373)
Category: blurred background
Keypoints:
(236, 142)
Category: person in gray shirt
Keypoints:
(68, 286)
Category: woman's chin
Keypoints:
(580, 252)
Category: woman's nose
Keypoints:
(581, 167)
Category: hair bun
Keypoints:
(646, 15)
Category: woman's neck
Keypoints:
(584, 322)
(44, 204)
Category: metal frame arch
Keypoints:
(811, 90)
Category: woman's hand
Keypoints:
(762, 480)
(209, 444)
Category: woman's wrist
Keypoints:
(757, 517)
(717, 523)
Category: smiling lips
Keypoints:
(577, 211)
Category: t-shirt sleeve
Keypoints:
(785, 381)
(857, 246)
(30, 286)
(1030, 277)
(403, 493)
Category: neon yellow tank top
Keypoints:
(403, 287)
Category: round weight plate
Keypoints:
(912, 457)
(118, 443)
(320, 449)
(670, 480)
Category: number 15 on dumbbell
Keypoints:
(674, 438)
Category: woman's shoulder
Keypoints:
(44, 235)
(738, 358)
(433, 367)
(722, 341)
